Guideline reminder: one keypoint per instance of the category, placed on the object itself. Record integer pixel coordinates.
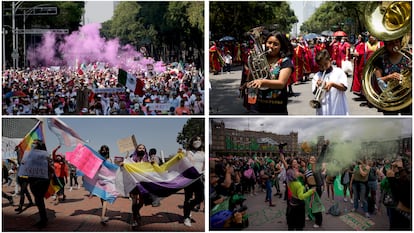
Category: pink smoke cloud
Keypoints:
(86, 46)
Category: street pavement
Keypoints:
(224, 97)
(81, 213)
(265, 218)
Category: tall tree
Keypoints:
(347, 16)
(243, 16)
(193, 127)
(125, 24)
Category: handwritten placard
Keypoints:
(35, 164)
(127, 144)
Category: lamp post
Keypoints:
(4, 33)
(32, 11)
(15, 52)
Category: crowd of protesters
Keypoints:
(370, 183)
(94, 90)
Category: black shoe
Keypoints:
(19, 209)
(64, 198)
(11, 201)
(30, 205)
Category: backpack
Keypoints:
(248, 173)
(388, 199)
(387, 196)
(334, 210)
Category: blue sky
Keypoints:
(159, 133)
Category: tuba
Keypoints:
(257, 59)
(388, 21)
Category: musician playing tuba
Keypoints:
(270, 94)
(334, 83)
(387, 74)
(388, 71)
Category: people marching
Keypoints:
(95, 89)
(43, 174)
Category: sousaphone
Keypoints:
(388, 21)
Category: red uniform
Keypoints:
(298, 63)
(215, 59)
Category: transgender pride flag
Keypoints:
(65, 135)
(99, 174)
(162, 181)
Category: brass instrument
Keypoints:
(316, 102)
(257, 59)
(388, 21)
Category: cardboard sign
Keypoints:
(127, 144)
(35, 164)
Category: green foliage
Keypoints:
(346, 16)
(193, 127)
(236, 18)
(157, 23)
(125, 25)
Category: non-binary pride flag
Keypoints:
(103, 183)
(164, 180)
(65, 135)
(26, 144)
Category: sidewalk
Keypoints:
(81, 213)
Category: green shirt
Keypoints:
(298, 190)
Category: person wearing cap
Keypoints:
(61, 172)
(39, 186)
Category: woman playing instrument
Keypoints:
(272, 96)
(390, 67)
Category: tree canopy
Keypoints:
(236, 18)
(193, 127)
(157, 23)
(333, 16)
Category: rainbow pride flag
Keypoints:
(52, 189)
(26, 144)
(164, 180)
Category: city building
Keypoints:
(226, 141)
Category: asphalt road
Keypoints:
(224, 97)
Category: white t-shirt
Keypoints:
(228, 59)
(333, 101)
(197, 158)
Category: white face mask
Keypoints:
(342, 41)
(196, 144)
